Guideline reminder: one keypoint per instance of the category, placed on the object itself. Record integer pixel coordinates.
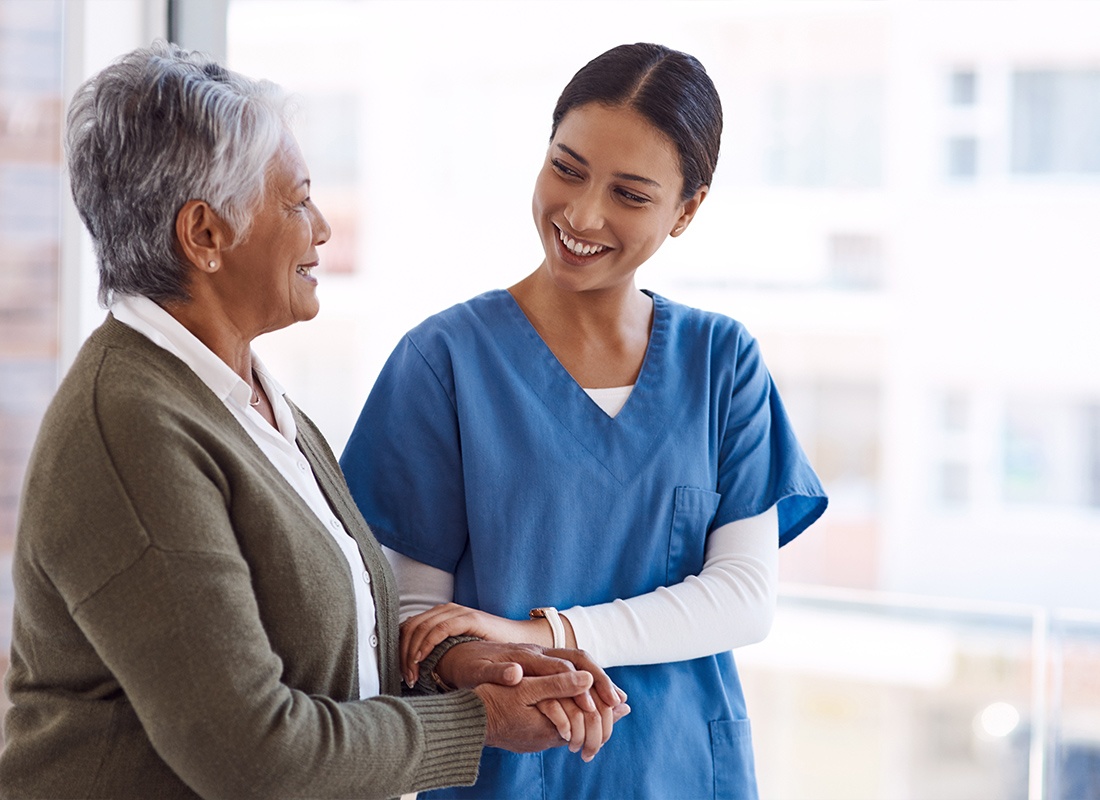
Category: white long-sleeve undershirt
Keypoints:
(730, 603)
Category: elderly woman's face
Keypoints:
(273, 286)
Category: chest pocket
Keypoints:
(693, 511)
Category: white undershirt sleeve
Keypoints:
(421, 587)
(730, 603)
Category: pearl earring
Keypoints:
(213, 264)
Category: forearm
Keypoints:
(730, 604)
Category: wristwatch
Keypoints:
(551, 615)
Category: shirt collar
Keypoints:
(160, 327)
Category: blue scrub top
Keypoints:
(477, 453)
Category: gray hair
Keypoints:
(158, 127)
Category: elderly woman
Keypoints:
(200, 609)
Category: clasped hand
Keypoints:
(535, 697)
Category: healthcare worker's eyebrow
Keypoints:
(625, 176)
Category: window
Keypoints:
(962, 157)
(855, 261)
(840, 426)
(954, 484)
(1056, 122)
(1051, 453)
(964, 88)
(955, 412)
(826, 133)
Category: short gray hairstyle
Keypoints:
(158, 127)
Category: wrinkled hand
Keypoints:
(514, 720)
(586, 728)
(421, 633)
(584, 719)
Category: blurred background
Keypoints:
(904, 214)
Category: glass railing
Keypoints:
(869, 695)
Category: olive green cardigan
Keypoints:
(184, 624)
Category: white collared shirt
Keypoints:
(280, 446)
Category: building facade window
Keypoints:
(855, 261)
(1051, 453)
(1056, 122)
(825, 133)
(963, 89)
(962, 157)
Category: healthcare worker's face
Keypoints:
(608, 194)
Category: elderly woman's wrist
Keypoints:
(434, 677)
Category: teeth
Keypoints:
(579, 249)
(304, 271)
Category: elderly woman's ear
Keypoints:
(202, 235)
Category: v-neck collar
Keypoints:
(622, 444)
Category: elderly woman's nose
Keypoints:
(321, 230)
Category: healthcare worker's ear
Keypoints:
(687, 213)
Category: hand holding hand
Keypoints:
(584, 719)
(421, 633)
(514, 720)
(586, 728)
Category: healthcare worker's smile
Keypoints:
(577, 251)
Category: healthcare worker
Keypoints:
(577, 462)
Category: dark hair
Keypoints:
(669, 88)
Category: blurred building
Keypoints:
(30, 155)
(909, 195)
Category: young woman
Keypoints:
(576, 444)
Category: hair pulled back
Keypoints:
(669, 88)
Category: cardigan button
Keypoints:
(373, 640)
(366, 577)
